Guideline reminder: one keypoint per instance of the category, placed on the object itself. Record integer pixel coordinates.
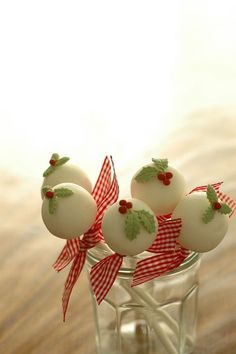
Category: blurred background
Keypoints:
(132, 79)
(89, 78)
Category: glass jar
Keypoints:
(157, 317)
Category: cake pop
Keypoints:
(129, 227)
(160, 186)
(61, 171)
(68, 210)
(205, 220)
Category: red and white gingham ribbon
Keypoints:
(105, 193)
(222, 196)
(103, 275)
(169, 254)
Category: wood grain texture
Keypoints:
(30, 292)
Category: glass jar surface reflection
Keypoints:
(157, 317)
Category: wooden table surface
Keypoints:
(30, 292)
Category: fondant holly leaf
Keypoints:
(211, 194)
(146, 174)
(63, 192)
(48, 171)
(147, 220)
(225, 209)
(62, 161)
(53, 205)
(55, 157)
(208, 215)
(132, 226)
(161, 164)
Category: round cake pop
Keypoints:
(60, 171)
(204, 220)
(68, 210)
(129, 227)
(158, 185)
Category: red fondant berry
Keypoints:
(122, 202)
(217, 205)
(169, 175)
(52, 162)
(161, 176)
(129, 205)
(49, 194)
(166, 182)
(122, 209)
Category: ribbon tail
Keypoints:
(103, 182)
(67, 254)
(228, 200)
(166, 238)
(216, 186)
(103, 275)
(72, 277)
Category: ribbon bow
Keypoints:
(105, 193)
(169, 253)
(103, 274)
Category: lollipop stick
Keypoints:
(169, 346)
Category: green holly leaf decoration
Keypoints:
(55, 157)
(208, 215)
(58, 162)
(63, 192)
(211, 194)
(146, 220)
(132, 226)
(161, 164)
(225, 209)
(53, 202)
(146, 174)
(48, 171)
(62, 161)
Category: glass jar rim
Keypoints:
(93, 258)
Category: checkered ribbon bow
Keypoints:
(103, 274)
(169, 254)
(105, 193)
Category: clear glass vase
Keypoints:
(157, 317)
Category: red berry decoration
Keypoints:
(217, 205)
(123, 209)
(169, 175)
(129, 205)
(123, 202)
(52, 162)
(166, 182)
(49, 194)
(161, 176)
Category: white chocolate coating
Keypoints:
(68, 173)
(162, 199)
(195, 234)
(113, 228)
(74, 214)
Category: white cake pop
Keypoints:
(60, 171)
(204, 220)
(129, 227)
(158, 185)
(68, 210)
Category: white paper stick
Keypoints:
(154, 324)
